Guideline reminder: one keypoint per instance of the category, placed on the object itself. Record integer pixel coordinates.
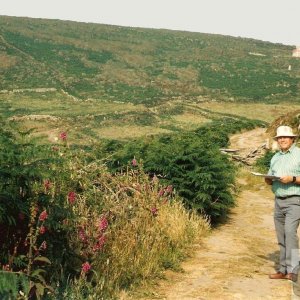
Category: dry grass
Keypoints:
(128, 131)
(189, 121)
(60, 105)
(264, 112)
(249, 181)
(140, 241)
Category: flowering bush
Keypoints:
(85, 230)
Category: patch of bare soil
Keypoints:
(234, 261)
(249, 140)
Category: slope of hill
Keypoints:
(148, 66)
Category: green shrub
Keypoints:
(13, 285)
(191, 162)
(263, 163)
(80, 226)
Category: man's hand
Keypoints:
(286, 179)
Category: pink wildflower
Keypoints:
(99, 245)
(71, 197)
(85, 267)
(43, 216)
(103, 224)
(47, 184)
(169, 189)
(42, 230)
(82, 235)
(134, 162)
(164, 191)
(63, 136)
(154, 211)
(102, 240)
(161, 193)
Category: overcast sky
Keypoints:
(277, 21)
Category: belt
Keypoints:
(286, 197)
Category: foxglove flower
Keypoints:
(71, 197)
(63, 136)
(85, 267)
(154, 211)
(161, 193)
(47, 184)
(82, 235)
(43, 216)
(134, 162)
(42, 229)
(103, 224)
(169, 189)
(99, 245)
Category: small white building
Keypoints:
(296, 52)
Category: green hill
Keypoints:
(146, 66)
(102, 81)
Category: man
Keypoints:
(285, 164)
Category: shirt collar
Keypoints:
(289, 150)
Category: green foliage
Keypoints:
(74, 223)
(13, 285)
(22, 167)
(203, 177)
(20, 164)
(218, 131)
(263, 163)
(242, 79)
(191, 162)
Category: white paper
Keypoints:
(266, 175)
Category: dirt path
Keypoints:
(234, 261)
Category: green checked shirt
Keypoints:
(282, 164)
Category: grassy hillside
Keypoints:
(142, 65)
(98, 81)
